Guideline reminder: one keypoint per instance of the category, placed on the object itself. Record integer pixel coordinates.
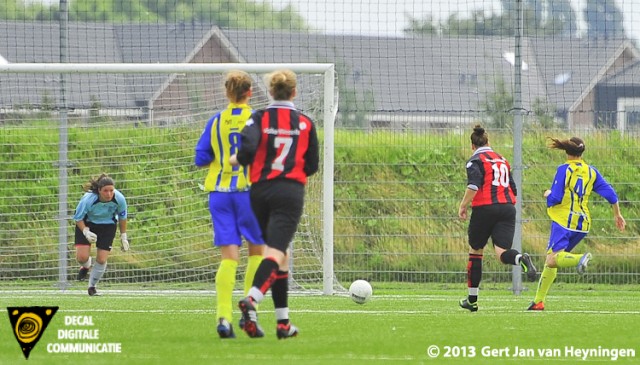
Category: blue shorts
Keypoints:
(233, 219)
(562, 239)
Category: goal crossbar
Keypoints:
(161, 67)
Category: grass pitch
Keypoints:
(396, 327)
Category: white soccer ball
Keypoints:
(360, 291)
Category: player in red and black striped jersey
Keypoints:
(281, 146)
(284, 142)
(492, 195)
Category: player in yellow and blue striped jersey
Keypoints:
(229, 202)
(568, 208)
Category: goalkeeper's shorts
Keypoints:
(105, 232)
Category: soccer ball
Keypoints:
(360, 291)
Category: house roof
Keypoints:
(40, 42)
(628, 76)
(32, 42)
(568, 67)
(431, 74)
(169, 43)
(155, 43)
(404, 75)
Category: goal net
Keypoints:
(62, 124)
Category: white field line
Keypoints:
(493, 310)
(181, 294)
(489, 310)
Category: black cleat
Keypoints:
(536, 306)
(473, 307)
(250, 317)
(225, 329)
(82, 273)
(528, 267)
(93, 292)
(286, 330)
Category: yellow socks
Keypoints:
(225, 282)
(547, 278)
(252, 266)
(567, 259)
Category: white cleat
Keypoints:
(584, 261)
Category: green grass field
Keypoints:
(398, 326)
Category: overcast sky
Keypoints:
(388, 17)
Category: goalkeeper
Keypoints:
(96, 216)
(228, 188)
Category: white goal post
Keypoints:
(139, 111)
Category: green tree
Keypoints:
(421, 26)
(479, 23)
(544, 17)
(10, 9)
(544, 113)
(498, 106)
(94, 111)
(604, 19)
(560, 19)
(353, 104)
(243, 14)
(25, 10)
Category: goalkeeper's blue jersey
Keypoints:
(568, 202)
(219, 140)
(91, 209)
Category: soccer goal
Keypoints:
(61, 124)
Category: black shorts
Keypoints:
(278, 205)
(105, 232)
(497, 221)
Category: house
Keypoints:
(133, 95)
(583, 78)
(398, 83)
(620, 94)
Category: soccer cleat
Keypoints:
(93, 292)
(82, 273)
(225, 329)
(286, 331)
(528, 267)
(582, 264)
(536, 306)
(250, 317)
(473, 307)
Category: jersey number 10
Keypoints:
(500, 175)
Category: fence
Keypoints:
(410, 91)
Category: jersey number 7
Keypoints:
(282, 146)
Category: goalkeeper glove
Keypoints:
(125, 242)
(91, 237)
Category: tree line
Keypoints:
(541, 18)
(243, 14)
